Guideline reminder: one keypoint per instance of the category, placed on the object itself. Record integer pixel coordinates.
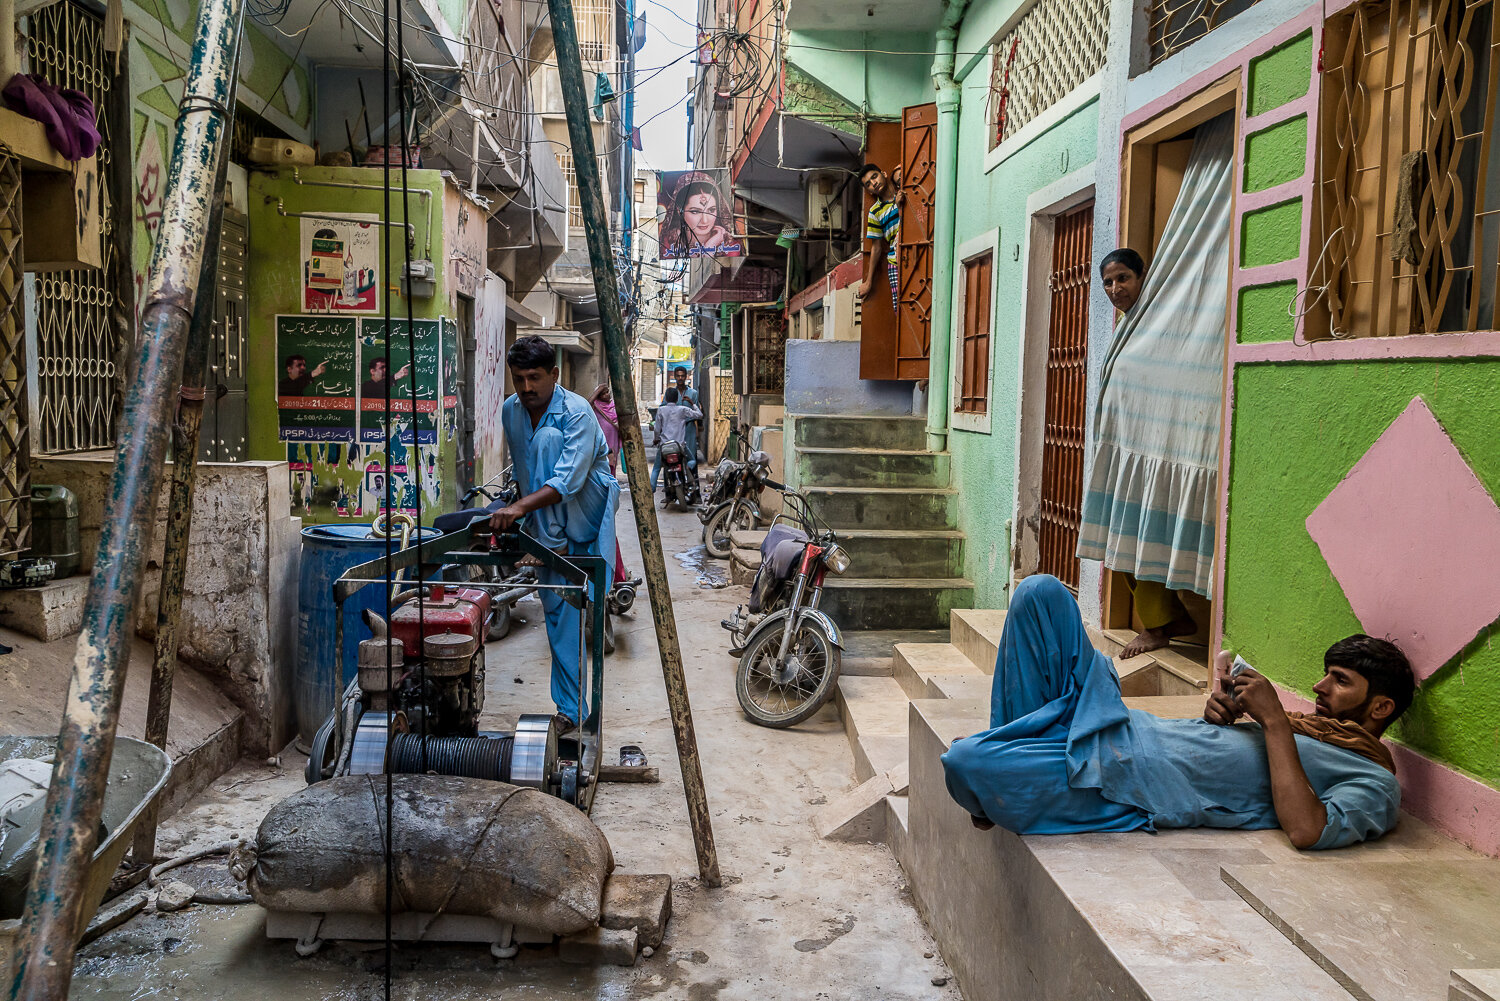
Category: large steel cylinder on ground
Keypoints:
(460, 846)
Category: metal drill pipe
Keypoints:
(184, 480)
(606, 286)
(85, 743)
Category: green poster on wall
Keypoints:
(315, 392)
(398, 384)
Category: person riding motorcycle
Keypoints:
(671, 425)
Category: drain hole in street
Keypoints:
(709, 571)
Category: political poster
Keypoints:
(398, 384)
(695, 215)
(340, 264)
(316, 388)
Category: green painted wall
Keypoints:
(1298, 429)
(1271, 235)
(879, 83)
(1263, 313)
(276, 288)
(1281, 75)
(1276, 155)
(984, 465)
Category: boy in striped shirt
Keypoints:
(882, 224)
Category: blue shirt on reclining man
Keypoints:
(1064, 755)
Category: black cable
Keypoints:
(387, 843)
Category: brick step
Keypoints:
(874, 712)
(820, 431)
(1182, 669)
(869, 652)
(845, 467)
(916, 666)
(976, 631)
(895, 602)
(865, 507)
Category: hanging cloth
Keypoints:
(1152, 497)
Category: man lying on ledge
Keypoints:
(1065, 756)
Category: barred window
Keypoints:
(596, 32)
(1056, 46)
(1174, 24)
(1409, 204)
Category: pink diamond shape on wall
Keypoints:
(1413, 538)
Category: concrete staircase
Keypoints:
(876, 710)
(894, 509)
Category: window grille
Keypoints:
(1172, 25)
(1056, 46)
(575, 204)
(974, 357)
(78, 380)
(1409, 196)
(595, 29)
(767, 351)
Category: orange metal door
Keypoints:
(1067, 387)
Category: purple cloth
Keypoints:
(609, 422)
(67, 115)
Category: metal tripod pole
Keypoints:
(184, 478)
(85, 743)
(606, 286)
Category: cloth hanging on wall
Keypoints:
(1152, 499)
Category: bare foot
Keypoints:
(1154, 639)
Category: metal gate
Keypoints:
(1067, 394)
(79, 384)
(15, 457)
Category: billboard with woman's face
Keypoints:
(696, 215)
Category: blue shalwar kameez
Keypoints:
(565, 451)
(1064, 755)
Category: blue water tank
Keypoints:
(328, 551)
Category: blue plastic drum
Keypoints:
(328, 551)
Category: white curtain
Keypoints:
(1152, 499)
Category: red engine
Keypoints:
(461, 610)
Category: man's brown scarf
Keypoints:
(1349, 736)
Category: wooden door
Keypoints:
(1063, 439)
(914, 258)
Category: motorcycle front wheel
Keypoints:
(778, 695)
(735, 516)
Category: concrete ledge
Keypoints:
(49, 612)
(1108, 915)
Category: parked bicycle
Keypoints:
(789, 650)
(734, 505)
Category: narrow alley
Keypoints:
(798, 917)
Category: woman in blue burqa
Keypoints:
(1064, 755)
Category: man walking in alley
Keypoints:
(568, 496)
(883, 226)
(1065, 756)
(688, 396)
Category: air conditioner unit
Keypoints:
(825, 201)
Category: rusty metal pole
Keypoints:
(184, 480)
(91, 712)
(606, 286)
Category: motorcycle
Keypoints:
(789, 650)
(734, 505)
(679, 483)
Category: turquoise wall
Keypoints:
(984, 465)
(881, 84)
